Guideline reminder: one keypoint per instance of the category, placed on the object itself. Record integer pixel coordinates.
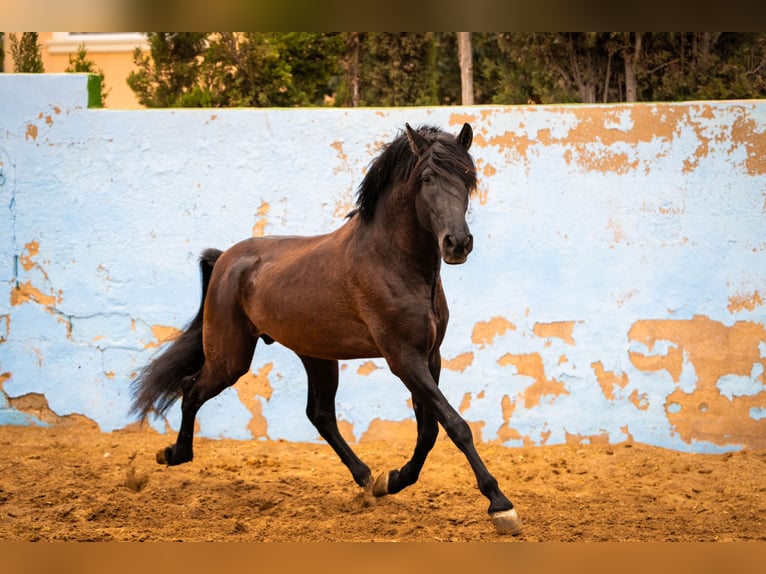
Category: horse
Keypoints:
(371, 288)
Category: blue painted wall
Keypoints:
(614, 293)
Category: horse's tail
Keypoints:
(160, 383)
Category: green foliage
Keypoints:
(398, 69)
(554, 67)
(168, 75)
(80, 63)
(416, 69)
(229, 69)
(270, 69)
(705, 66)
(26, 53)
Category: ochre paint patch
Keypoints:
(465, 404)
(33, 249)
(338, 147)
(393, 431)
(559, 329)
(608, 380)
(506, 432)
(744, 132)
(458, 119)
(346, 430)
(672, 362)
(459, 363)
(714, 350)
(162, 334)
(641, 402)
(31, 132)
(249, 387)
(531, 365)
(366, 368)
(259, 229)
(593, 146)
(747, 301)
(25, 292)
(484, 332)
(36, 404)
(576, 439)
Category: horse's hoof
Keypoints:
(507, 522)
(380, 488)
(162, 457)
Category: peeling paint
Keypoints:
(26, 292)
(459, 363)
(558, 329)
(366, 368)
(31, 132)
(744, 301)
(249, 388)
(578, 439)
(608, 380)
(531, 365)
(259, 229)
(484, 332)
(382, 430)
(162, 334)
(715, 351)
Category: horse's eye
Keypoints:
(426, 179)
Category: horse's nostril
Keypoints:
(469, 244)
(450, 243)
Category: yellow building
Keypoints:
(111, 52)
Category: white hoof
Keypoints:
(507, 521)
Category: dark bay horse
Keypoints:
(371, 288)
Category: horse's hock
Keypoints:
(614, 292)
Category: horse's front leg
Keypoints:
(416, 376)
(395, 480)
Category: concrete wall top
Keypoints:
(615, 291)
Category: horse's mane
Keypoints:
(396, 161)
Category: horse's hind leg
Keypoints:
(393, 481)
(215, 376)
(320, 409)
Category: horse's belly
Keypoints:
(323, 339)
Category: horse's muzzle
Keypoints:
(455, 248)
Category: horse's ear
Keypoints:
(465, 137)
(418, 143)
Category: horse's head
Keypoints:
(446, 177)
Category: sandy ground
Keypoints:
(73, 483)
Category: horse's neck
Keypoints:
(405, 244)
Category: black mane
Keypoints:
(397, 160)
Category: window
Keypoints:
(69, 42)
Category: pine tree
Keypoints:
(80, 63)
(26, 53)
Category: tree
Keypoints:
(26, 53)
(168, 75)
(398, 69)
(271, 69)
(80, 63)
(413, 69)
(232, 69)
(704, 65)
